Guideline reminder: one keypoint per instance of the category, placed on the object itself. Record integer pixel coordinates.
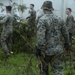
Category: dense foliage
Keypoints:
(23, 62)
(24, 39)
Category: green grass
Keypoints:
(19, 64)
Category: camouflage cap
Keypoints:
(47, 5)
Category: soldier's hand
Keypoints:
(43, 54)
(37, 51)
(67, 46)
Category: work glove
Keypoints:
(67, 46)
(37, 51)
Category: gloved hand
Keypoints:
(67, 46)
(37, 51)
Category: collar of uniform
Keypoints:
(69, 14)
(48, 12)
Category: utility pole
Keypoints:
(64, 5)
(62, 8)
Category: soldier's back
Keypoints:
(53, 33)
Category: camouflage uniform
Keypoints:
(70, 25)
(7, 32)
(32, 15)
(50, 30)
(31, 19)
(39, 15)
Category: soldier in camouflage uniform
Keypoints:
(50, 30)
(6, 35)
(70, 22)
(31, 18)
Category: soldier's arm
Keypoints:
(4, 20)
(41, 29)
(65, 33)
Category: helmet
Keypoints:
(47, 5)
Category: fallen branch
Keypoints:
(24, 39)
(73, 38)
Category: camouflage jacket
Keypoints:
(40, 13)
(50, 30)
(7, 23)
(70, 23)
(32, 16)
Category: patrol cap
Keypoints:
(47, 5)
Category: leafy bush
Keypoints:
(23, 39)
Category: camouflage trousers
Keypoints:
(57, 66)
(6, 41)
(70, 36)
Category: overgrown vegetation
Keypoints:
(23, 61)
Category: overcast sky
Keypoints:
(59, 5)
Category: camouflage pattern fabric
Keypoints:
(7, 32)
(32, 21)
(70, 26)
(32, 15)
(50, 31)
(70, 23)
(56, 67)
